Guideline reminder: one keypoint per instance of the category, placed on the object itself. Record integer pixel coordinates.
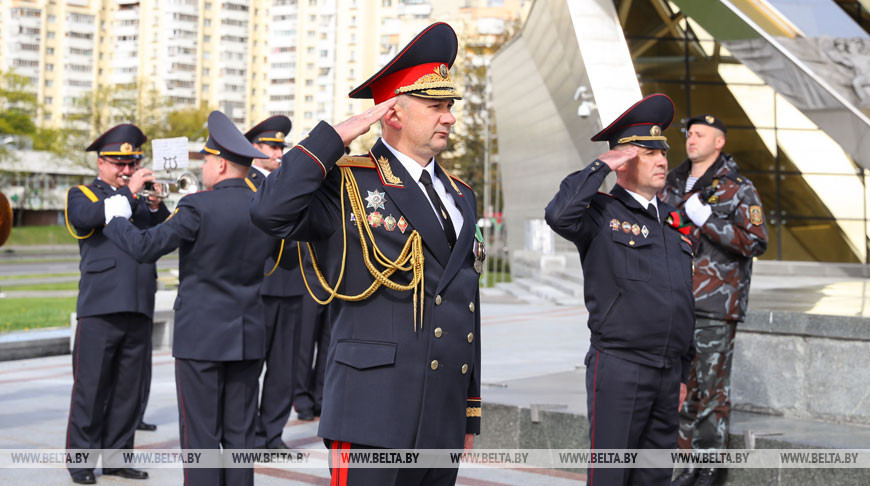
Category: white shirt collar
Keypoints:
(262, 170)
(415, 170)
(643, 201)
(113, 187)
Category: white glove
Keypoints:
(697, 211)
(117, 205)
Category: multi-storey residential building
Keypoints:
(249, 58)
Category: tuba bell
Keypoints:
(186, 183)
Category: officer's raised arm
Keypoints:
(566, 211)
(300, 200)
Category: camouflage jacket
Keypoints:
(725, 245)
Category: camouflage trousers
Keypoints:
(705, 413)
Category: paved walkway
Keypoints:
(519, 341)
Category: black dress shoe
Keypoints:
(86, 477)
(710, 477)
(126, 472)
(146, 426)
(686, 478)
(305, 414)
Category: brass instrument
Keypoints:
(186, 183)
(5, 219)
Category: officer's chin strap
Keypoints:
(409, 260)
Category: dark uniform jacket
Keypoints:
(637, 272)
(218, 311)
(387, 385)
(285, 280)
(725, 245)
(111, 280)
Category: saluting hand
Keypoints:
(139, 178)
(618, 157)
(357, 125)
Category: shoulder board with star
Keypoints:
(361, 161)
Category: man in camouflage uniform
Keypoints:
(726, 223)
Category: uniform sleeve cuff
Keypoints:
(598, 166)
(323, 146)
(472, 415)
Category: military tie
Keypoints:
(446, 222)
(651, 210)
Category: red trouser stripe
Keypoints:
(339, 471)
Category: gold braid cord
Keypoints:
(66, 219)
(277, 261)
(409, 260)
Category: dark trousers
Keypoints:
(146, 373)
(108, 358)
(310, 370)
(217, 405)
(362, 476)
(630, 406)
(283, 315)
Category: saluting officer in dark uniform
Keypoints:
(115, 305)
(637, 269)
(395, 236)
(219, 335)
(282, 293)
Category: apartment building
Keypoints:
(249, 58)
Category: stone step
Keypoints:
(520, 292)
(546, 292)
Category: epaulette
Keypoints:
(458, 180)
(605, 194)
(737, 178)
(361, 161)
(88, 193)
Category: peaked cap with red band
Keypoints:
(421, 69)
(643, 124)
(123, 141)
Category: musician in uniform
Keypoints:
(115, 305)
(637, 273)
(219, 334)
(396, 255)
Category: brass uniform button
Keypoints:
(631, 243)
(470, 336)
(437, 300)
(434, 364)
(438, 332)
(464, 369)
(471, 306)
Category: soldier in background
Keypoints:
(282, 293)
(115, 305)
(310, 367)
(727, 228)
(219, 335)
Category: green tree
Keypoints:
(18, 105)
(189, 122)
(466, 153)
